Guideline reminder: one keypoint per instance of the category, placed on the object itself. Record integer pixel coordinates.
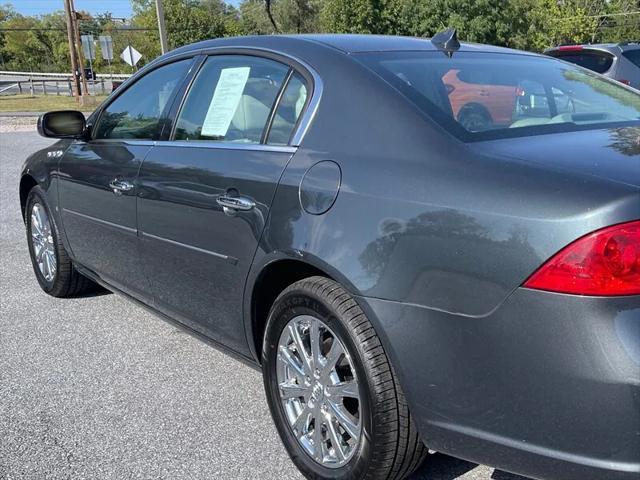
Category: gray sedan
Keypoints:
(420, 243)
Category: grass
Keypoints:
(45, 103)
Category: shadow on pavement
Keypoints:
(443, 467)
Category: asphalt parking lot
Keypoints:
(98, 388)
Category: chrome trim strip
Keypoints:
(256, 147)
(102, 222)
(229, 259)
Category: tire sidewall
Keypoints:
(302, 302)
(36, 196)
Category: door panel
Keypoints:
(98, 178)
(101, 224)
(195, 255)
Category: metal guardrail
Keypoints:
(40, 75)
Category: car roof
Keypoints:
(349, 43)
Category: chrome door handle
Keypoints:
(119, 186)
(230, 205)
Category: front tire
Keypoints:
(331, 389)
(51, 264)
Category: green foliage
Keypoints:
(524, 24)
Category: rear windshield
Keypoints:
(599, 62)
(479, 96)
(633, 56)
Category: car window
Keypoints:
(485, 95)
(599, 62)
(289, 109)
(135, 114)
(633, 56)
(231, 99)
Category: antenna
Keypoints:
(446, 41)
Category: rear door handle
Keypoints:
(230, 205)
(119, 186)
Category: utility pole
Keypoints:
(161, 28)
(72, 48)
(78, 42)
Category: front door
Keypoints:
(98, 179)
(204, 195)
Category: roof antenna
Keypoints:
(446, 41)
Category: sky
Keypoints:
(119, 8)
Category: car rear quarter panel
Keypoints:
(421, 217)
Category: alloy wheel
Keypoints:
(319, 391)
(44, 250)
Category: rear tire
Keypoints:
(52, 266)
(388, 446)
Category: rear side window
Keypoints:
(633, 56)
(136, 113)
(231, 99)
(292, 103)
(480, 96)
(599, 62)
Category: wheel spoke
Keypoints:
(301, 425)
(333, 356)
(297, 340)
(290, 390)
(288, 359)
(314, 339)
(336, 440)
(344, 389)
(344, 419)
(317, 437)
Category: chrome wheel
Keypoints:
(44, 250)
(319, 391)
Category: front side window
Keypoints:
(136, 113)
(487, 95)
(231, 99)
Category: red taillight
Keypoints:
(626, 82)
(570, 48)
(605, 262)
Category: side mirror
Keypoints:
(62, 124)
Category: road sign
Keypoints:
(88, 49)
(106, 46)
(131, 56)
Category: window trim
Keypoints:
(313, 83)
(152, 67)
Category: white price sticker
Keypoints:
(224, 103)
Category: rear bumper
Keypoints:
(547, 386)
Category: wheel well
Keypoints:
(27, 182)
(272, 280)
(475, 107)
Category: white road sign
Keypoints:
(131, 56)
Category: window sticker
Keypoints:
(224, 103)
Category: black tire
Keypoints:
(475, 118)
(67, 281)
(389, 447)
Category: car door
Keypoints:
(98, 178)
(205, 193)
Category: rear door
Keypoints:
(98, 178)
(205, 192)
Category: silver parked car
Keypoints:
(620, 61)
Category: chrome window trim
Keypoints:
(256, 147)
(316, 88)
